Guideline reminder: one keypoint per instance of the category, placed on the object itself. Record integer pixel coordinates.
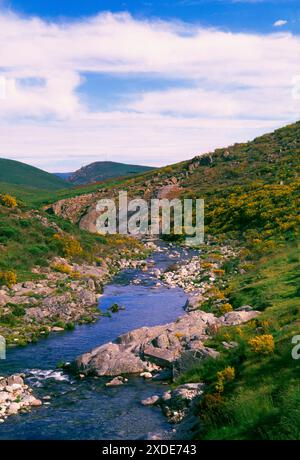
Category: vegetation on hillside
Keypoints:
(261, 401)
(103, 170)
(15, 174)
(30, 238)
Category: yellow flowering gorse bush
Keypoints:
(225, 308)
(262, 344)
(9, 201)
(8, 278)
(224, 376)
(71, 246)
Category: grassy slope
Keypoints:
(103, 170)
(26, 242)
(255, 198)
(262, 402)
(16, 173)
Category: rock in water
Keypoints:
(109, 359)
(150, 401)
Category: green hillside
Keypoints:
(15, 173)
(103, 170)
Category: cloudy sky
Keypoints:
(148, 82)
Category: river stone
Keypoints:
(162, 341)
(15, 379)
(4, 396)
(183, 394)
(115, 382)
(233, 318)
(150, 401)
(140, 336)
(57, 329)
(146, 375)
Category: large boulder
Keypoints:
(160, 356)
(110, 360)
(190, 358)
(161, 345)
(233, 318)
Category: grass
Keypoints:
(21, 174)
(25, 242)
(262, 402)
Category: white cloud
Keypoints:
(238, 85)
(280, 23)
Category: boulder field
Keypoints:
(15, 396)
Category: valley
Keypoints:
(244, 280)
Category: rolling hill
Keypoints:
(103, 170)
(16, 174)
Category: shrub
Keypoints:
(8, 232)
(206, 265)
(179, 335)
(62, 268)
(262, 344)
(9, 201)
(225, 308)
(218, 271)
(224, 376)
(76, 275)
(38, 249)
(71, 247)
(8, 278)
(211, 408)
(9, 320)
(18, 310)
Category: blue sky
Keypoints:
(142, 81)
(235, 15)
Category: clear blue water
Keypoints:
(86, 409)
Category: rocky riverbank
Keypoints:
(15, 396)
(165, 352)
(64, 294)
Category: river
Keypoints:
(87, 409)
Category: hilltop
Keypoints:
(249, 185)
(14, 174)
(103, 170)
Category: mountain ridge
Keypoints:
(99, 171)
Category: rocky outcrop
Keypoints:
(176, 403)
(233, 318)
(111, 360)
(15, 396)
(175, 345)
(66, 293)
